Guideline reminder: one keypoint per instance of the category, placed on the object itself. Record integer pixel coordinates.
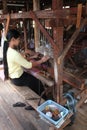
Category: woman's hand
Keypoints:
(27, 51)
(35, 56)
(44, 59)
(36, 63)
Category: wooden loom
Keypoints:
(57, 15)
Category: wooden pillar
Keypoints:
(25, 34)
(57, 4)
(86, 8)
(58, 65)
(7, 24)
(27, 5)
(4, 2)
(7, 21)
(36, 6)
(79, 14)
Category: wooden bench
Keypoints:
(27, 94)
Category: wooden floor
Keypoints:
(16, 118)
(20, 119)
(80, 121)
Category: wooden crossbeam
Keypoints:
(44, 14)
(47, 14)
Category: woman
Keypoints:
(14, 62)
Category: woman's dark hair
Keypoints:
(1, 26)
(11, 34)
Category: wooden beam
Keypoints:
(79, 14)
(44, 14)
(25, 34)
(36, 6)
(58, 67)
(86, 8)
(4, 2)
(57, 4)
(7, 24)
(48, 14)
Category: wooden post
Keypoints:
(4, 2)
(86, 8)
(58, 66)
(36, 6)
(79, 13)
(7, 24)
(57, 4)
(27, 5)
(25, 34)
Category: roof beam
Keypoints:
(45, 14)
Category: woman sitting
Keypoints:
(14, 63)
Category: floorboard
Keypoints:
(19, 119)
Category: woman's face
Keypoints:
(15, 42)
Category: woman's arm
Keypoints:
(36, 63)
(35, 55)
(28, 64)
(29, 55)
(27, 51)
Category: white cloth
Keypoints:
(3, 38)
